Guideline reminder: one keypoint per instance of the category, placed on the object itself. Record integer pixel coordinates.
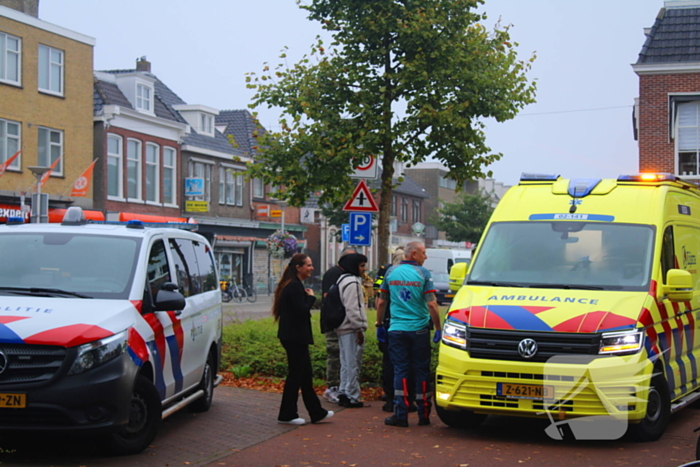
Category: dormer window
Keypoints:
(206, 124)
(144, 98)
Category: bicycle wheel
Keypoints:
(239, 294)
(252, 296)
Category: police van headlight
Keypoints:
(96, 353)
(621, 342)
(454, 334)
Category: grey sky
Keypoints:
(584, 49)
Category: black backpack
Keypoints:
(332, 308)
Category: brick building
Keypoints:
(45, 105)
(667, 111)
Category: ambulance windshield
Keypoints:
(585, 255)
(94, 266)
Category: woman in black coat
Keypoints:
(292, 308)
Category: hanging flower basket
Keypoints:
(281, 244)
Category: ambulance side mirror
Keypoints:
(679, 285)
(457, 274)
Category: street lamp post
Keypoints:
(36, 207)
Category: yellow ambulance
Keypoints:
(581, 305)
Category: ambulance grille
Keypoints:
(29, 363)
(503, 345)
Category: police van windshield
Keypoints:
(94, 266)
(585, 255)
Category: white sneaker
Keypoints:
(328, 415)
(296, 421)
(331, 394)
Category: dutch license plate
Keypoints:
(13, 401)
(525, 391)
(449, 295)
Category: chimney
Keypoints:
(28, 7)
(141, 63)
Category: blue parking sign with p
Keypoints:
(360, 229)
(345, 231)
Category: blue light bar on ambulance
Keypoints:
(525, 177)
(648, 177)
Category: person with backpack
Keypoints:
(351, 332)
(332, 349)
(292, 308)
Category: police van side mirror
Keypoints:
(457, 274)
(169, 300)
(679, 285)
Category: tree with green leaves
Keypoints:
(466, 218)
(403, 80)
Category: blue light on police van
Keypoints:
(134, 224)
(15, 220)
(526, 177)
(648, 177)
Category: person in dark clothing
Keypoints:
(292, 308)
(332, 347)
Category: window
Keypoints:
(185, 263)
(206, 124)
(50, 70)
(446, 182)
(239, 190)
(227, 194)
(10, 52)
(688, 138)
(152, 179)
(393, 205)
(203, 171)
(9, 142)
(50, 149)
(158, 270)
(415, 215)
(133, 169)
(206, 267)
(114, 166)
(144, 97)
(404, 210)
(258, 188)
(169, 175)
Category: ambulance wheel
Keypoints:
(144, 420)
(658, 414)
(461, 419)
(207, 385)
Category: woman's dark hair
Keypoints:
(290, 272)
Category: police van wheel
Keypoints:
(462, 419)
(144, 421)
(658, 414)
(207, 385)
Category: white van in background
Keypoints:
(442, 259)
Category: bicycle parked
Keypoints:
(251, 295)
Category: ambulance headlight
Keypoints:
(621, 342)
(96, 353)
(454, 334)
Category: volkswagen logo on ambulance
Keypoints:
(3, 361)
(527, 348)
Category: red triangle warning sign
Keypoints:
(361, 200)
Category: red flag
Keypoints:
(82, 183)
(6, 164)
(48, 172)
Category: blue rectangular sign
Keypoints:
(360, 229)
(345, 229)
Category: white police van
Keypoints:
(105, 328)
